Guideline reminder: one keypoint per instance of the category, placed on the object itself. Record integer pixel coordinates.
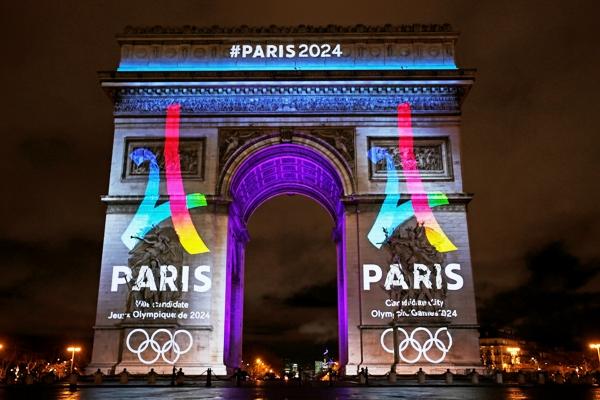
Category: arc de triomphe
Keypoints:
(210, 123)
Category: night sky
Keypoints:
(530, 149)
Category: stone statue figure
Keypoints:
(340, 144)
(159, 247)
(340, 141)
(408, 245)
(232, 142)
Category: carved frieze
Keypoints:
(191, 156)
(431, 154)
(339, 140)
(232, 139)
(297, 99)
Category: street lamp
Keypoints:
(597, 347)
(73, 350)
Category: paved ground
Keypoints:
(281, 392)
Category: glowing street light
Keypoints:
(514, 353)
(597, 347)
(73, 350)
(513, 350)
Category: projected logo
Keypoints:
(392, 214)
(177, 207)
(161, 344)
(420, 343)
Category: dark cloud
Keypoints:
(550, 307)
(291, 292)
(49, 288)
(47, 152)
(290, 247)
(324, 295)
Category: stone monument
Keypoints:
(211, 122)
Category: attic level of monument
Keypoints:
(414, 47)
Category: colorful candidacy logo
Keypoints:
(392, 214)
(177, 207)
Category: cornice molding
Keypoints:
(287, 30)
(366, 198)
(453, 198)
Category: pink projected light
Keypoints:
(419, 197)
(149, 215)
(182, 221)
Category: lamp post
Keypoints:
(73, 350)
(596, 346)
(394, 325)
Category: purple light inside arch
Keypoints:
(267, 173)
(285, 168)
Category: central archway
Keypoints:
(277, 169)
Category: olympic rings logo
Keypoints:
(421, 349)
(151, 342)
